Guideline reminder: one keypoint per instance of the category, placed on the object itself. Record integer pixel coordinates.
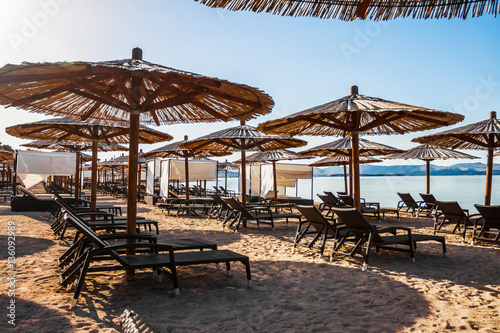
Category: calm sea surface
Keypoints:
(467, 190)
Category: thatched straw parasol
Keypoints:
(344, 161)
(6, 155)
(355, 114)
(76, 147)
(130, 89)
(429, 153)
(242, 138)
(363, 9)
(176, 151)
(344, 147)
(60, 129)
(273, 156)
(484, 135)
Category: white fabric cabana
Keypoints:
(260, 177)
(153, 171)
(34, 166)
(174, 170)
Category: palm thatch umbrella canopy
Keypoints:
(429, 153)
(6, 155)
(344, 161)
(61, 129)
(242, 138)
(363, 9)
(484, 135)
(72, 146)
(76, 147)
(355, 114)
(273, 156)
(130, 89)
(174, 150)
(344, 147)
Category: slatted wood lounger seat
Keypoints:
(168, 259)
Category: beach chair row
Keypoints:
(93, 252)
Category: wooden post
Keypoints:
(77, 176)
(355, 171)
(186, 171)
(93, 180)
(133, 158)
(428, 176)
(489, 167)
(275, 186)
(186, 174)
(139, 180)
(243, 180)
(355, 154)
(345, 179)
(489, 175)
(351, 182)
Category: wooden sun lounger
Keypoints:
(156, 261)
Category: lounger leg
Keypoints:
(81, 281)
(249, 275)
(228, 269)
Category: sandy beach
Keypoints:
(291, 292)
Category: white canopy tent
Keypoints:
(34, 166)
(174, 170)
(260, 177)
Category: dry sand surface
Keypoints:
(291, 292)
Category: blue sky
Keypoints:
(450, 65)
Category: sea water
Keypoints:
(466, 190)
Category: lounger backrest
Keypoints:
(334, 198)
(218, 200)
(428, 198)
(28, 192)
(89, 234)
(451, 210)
(326, 199)
(347, 199)
(234, 204)
(356, 222)
(315, 218)
(491, 214)
(407, 199)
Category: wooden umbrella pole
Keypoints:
(93, 181)
(489, 175)
(77, 176)
(355, 170)
(428, 176)
(243, 178)
(186, 173)
(139, 175)
(275, 186)
(345, 179)
(351, 183)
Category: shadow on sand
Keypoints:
(33, 317)
(24, 246)
(287, 296)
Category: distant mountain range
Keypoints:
(477, 168)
